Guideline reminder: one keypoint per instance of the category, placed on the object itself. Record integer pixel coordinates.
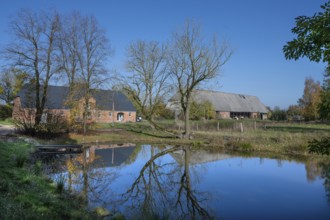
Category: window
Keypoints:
(110, 114)
(129, 114)
(99, 114)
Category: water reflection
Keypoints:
(177, 182)
(325, 174)
(165, 190)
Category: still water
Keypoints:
(180, 183)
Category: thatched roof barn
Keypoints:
(227, 105)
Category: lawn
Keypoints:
(256, 135)
(25, 193)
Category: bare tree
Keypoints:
(33, 51)
(92, 56)
(147, 83)
(70, 44)
(192, 62)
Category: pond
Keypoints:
(166, 182)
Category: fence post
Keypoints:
(218, 126)
(241, 125)
(255, 125)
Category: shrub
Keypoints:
(5, 112)
(319, 146)
(245, 146)
(278, 114)
(53, 125)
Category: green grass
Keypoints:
(27, 194)
(265, 136)
(257, 135)
(299, 128)
(7, 121)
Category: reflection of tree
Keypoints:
(164, 190)
(185, 189)
(83, 177)
(326, 176)
(94, 180)
(319, 168)
(313, 170)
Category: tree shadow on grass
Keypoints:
(156, 133)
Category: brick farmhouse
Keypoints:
(105, 106)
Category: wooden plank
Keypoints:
(59, 146)
(59, 149)
(59, 152)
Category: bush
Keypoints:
(319, 146)
(5, 112)
(54, 125)
(278, 114)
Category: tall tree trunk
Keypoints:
(37, 117)
(186, 121)
(85, 114)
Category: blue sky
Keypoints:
(255, 29)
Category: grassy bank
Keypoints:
(227, 134)
(26, 194)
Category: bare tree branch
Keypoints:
(192, 62)
(147, 83)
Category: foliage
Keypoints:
(163, 112)
(319, 146)
(313, 37)
(5, 111)
(27, 195)
(7, 121)
(278, 114)
(311, 99)
(313, 41)
(11, 82)
(204, 110)
(324, 105)
(294, 113)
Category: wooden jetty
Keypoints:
(60, 149)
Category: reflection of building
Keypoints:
(107, 155)
(198, 157)
(104, 105)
